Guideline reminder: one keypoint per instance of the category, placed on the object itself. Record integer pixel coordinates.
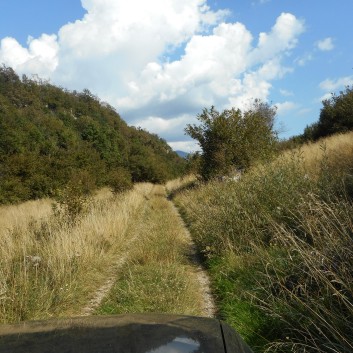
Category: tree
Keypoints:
(50, 137)
(233, 139)
(336, 114)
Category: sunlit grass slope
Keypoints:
(50, 265)
(278, 245)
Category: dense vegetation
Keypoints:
(336, 116)
(278, 244)
(233, 140)
(51, 138)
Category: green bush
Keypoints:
(234, 139)
(120, 180)
(73, 200)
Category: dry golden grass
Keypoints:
(179, 183)
(338, 150)
(48, 266)
(51, 266)
(20, 215)
(278, 244)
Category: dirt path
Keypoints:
(209, 307)
(158, 239)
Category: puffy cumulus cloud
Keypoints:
(217, 68)
(256, 84)
(169, 128)
(205, 71)
(39, 58)
(282, 38)
(325, 44)
(159, 62)
(139, 30)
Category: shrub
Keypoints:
(73, 199)
(234, 139)
(120, 181)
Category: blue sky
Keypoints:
(161, 62)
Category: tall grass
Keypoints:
(50, 265)
(279, 248)
(176, 185)
(336, 149)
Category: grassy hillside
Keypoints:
(50, 137)
(50, 265)
(278, 245)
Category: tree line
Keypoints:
(51, 137)
(234, 140)
(336, 116)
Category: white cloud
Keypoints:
(330, 86)
(124, 51)
(285, 107)
(333, 85)
(325, 97)
(206, 70)
(39, 58)
(282, 38)
(162, 126)
(325, 44)
(187, 146)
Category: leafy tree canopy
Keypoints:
(50, 137)
(233, 139)
(336, 116)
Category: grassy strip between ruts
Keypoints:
(158, 277)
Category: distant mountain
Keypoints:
(50, 136)
(182, 154)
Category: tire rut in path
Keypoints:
(208, 305)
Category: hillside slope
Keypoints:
(49, 136)
(278, 247)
